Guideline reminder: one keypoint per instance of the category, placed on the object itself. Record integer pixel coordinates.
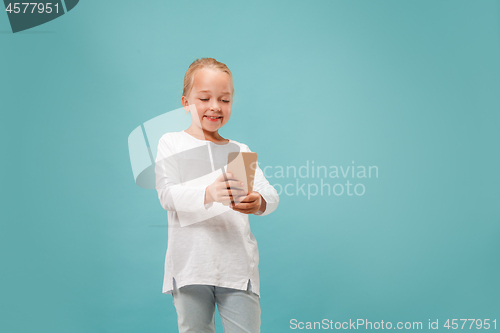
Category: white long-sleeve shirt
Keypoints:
(207, 243)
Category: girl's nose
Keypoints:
(215, 107)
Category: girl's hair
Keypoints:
(198, 64)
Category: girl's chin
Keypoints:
(211, 128)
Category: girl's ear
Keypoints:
(184, 102)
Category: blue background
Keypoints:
(409, 86)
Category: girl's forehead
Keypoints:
(208, 80)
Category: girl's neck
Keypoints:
(201, 134)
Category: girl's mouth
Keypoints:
(212, 119)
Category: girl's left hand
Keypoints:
(249, 204)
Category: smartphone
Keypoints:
(243, 166)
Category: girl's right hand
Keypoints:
(222, 191)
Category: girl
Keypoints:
(212, 256)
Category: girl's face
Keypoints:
(211, 93)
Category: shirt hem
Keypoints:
(236, 285)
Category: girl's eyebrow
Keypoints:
(224, 92)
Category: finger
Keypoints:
(237, 200)
(229, 196)
(224, 193)
(243, 198)
(228, 176)
(244, 205)
(250, 198)
(225, 198)
(234, 184)
(226, 201)
(229, 185)
(237, 193)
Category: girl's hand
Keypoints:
(222, 191)
(250, 204)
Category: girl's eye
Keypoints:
(206, 99)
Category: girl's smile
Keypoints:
(212, 118)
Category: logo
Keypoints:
(26, 15)
(171, 173)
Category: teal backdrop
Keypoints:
(411, 87)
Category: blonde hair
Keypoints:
(198, 64)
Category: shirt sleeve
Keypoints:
(174, 195)
(266, 190)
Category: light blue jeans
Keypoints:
(195, 304)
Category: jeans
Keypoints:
(195, 304)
